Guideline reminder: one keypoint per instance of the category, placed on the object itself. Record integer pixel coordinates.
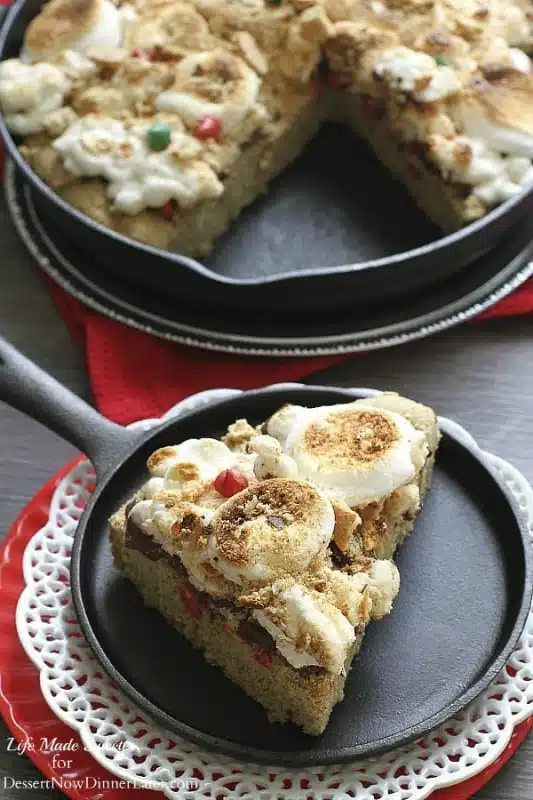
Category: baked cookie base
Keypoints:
(287, 694)
(440, 201)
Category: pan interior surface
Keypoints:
(463, 577)
(336, 204)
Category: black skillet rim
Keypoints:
(469, 305)
(272, 758)
(445, 244)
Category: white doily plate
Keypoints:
(133, 749)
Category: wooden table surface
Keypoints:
(481, 375)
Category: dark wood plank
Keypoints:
(478, 374)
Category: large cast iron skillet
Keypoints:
(333, 231)
(465, 594)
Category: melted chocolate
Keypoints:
(312, 669)
(222, 602)
(339, 558)
(137, 539)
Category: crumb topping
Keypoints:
(347, 522)
(239, 435)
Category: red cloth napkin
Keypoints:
(135, 375)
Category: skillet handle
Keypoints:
(28, 388)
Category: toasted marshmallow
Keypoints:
(416, 73)
(197, 459)
(500, 115)
(494, 177)
(519, 60)
(272, 528)
(350, 594)
(355, 452)
(302, 615)
(182, 489)
(271, 461)
(284, 421)
(75, 65)
(158, 515)
(137, 177)
(64, 25)
(383, 586)
(201, 77)
(365, 595)
(497, 137)
(512, 22)
(172, 24)
(153, 487)
(29, 94)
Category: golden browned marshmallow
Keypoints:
(307, 628)
(72, 24)
(500, 113)
(215, 83)
(353, 451)
(273, 528)
(173, 25)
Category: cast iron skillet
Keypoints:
(466, 591)
(334, 206)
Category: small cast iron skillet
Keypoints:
(465, 595)
(334, 231)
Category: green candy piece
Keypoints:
(159, 137)
(441, 61)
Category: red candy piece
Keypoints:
(140, 53)
(336, 81)
(208, 128)
(263, 656)
(168, 209)
(190, 600)
(371, 106)
(229, 482)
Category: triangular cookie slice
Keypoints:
(269, 550)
